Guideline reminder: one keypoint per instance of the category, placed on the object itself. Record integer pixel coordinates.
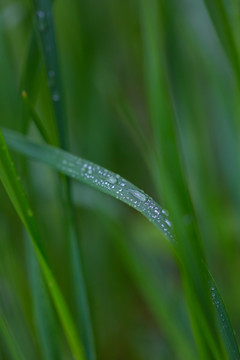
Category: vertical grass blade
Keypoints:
(43, 315)
(173, 188)
(46, 30)
(222, 24)
(171, 326)
(17, 196)
(47, 35)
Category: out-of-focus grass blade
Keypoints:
(16, 193)
(46, 328)
(156, 300)
(47, 34)
(114, 185)
(224, 323)
(10, 341)
(222, 24)
(35, 117)
(173, 184)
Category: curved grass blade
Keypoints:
(94, 175)
(17, 195)
(114, 185)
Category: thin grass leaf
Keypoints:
(222, 24)
(173, 185)
(114, 185)
(44, 317)
(46, 30)
(47, 34)
(43, 314)
(171, 326)
(16, 193)
(36, 119)
(10, 340)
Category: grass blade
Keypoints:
(10, 341)
(43, 314)
(16, 193)
(49, 47)
(114, 185)
(148, 285)
(223, 27)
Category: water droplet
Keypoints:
(139, 195)
(112, 180)
(165, 212)
(51, 78)
(42, 20)
(55, 96)
(168, 223)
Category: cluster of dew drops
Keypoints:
(216, 301)
(101, 178)
(121, 189)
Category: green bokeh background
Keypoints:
(101, 56)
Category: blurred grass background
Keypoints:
(102, 59)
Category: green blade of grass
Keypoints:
(173, 183)
(114, 185)
(10, 340)
(35, 117)
(45, 24)
(47, 35)
(222, 24)
(43, 315)
(158, 303)
(94, 175)
(16, 193)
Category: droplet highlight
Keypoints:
(41, 20)
(138, 195)
(112, 180)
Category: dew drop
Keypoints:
(139, 195)
(165, 212)
(51, 78)
(55, 96)
(168, 223)
(42, 20)
(112, 180)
